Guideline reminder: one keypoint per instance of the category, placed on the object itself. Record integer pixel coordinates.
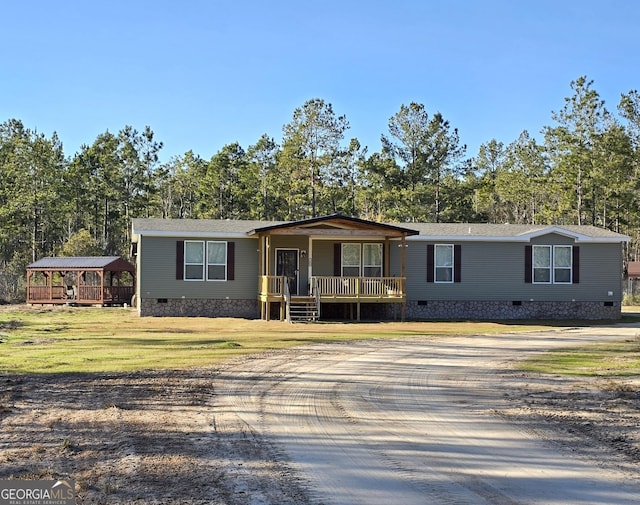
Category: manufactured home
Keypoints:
(340, 267)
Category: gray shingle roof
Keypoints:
(507, 230)
(461, 231)
(186, 226)
(76, 262)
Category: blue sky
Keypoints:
(204, 74)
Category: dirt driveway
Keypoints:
(437, 420)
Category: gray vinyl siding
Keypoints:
(157, 274)
(495, 271)
(323, 257)
(490, 270)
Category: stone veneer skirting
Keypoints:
(496, 310)
(178, 307)
(430, 309)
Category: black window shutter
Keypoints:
(528, 258)
(576, 265)
(231, 261)
(180, 260)
(430, 262)
(337, 259)
(457, 263)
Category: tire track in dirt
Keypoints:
(409, 422)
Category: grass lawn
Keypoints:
(88, 339)
(612, 359)
(79, 339)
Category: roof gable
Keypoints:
(333, 223)
(578, 237)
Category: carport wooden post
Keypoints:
(28, 285)
(81, 286)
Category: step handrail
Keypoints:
(315, 292)
(287, 299)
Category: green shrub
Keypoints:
(631, 299)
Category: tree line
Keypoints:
(586, 170)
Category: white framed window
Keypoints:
(443, 263)
(542, 264)
(361, 259)
(351, 260)
(372, 260)
(552, 264)
(216, 261)
(205, 260)
(193, 260)
(562, 264)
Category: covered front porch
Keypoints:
(336, 259)
(328, 289)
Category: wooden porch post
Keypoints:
(310, 264)
(260, 256)
(403, 275)
(267, 271)
(267, 252)
(282, 304)
(386, 272)
(260, 274)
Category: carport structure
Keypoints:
(85, 280)
(633, 276)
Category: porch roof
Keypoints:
(335, 224)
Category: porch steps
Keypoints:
(303, 309)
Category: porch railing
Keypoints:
(360, 287)
(46, 293)
(80, 293)
(271, 285)
(118, 293)
(330, 287)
